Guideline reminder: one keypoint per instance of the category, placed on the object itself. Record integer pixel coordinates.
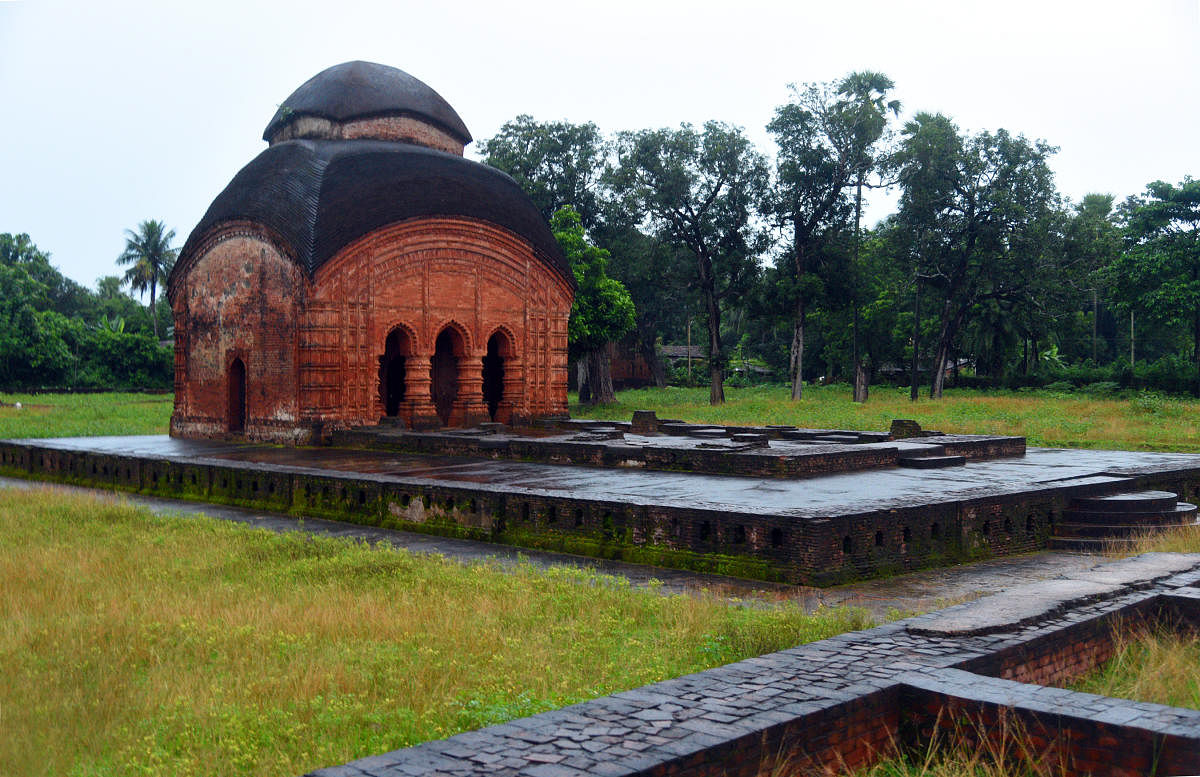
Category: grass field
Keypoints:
(1157, 666)
(1144, 422)
(133, 644)
(83, 415)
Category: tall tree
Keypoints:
(827, 137)
(697, 189)
(149, 253)
(602, 312)
(557, 163)
(1158, 273)
(979, 213)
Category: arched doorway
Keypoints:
(237, 396)
(493, 372)
(446, 352)
(396, 350)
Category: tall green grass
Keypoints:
(84, 415)
(1161, 667)
(133, 644)
(1146, 422)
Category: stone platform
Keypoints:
(675, 446)
(819, 529)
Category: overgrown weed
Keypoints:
(136, 644)
(1152, 665)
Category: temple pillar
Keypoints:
(469, 407)
(512, 401)
(417, 408)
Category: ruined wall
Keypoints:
(402, 129)
(422, 276)
(239, 299)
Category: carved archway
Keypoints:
(236, 413)
(448, 349)
(393, 383)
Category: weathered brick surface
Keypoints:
(312, 350)
(402, 129)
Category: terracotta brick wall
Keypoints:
(239, 300)
(313, 350)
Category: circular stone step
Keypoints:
(1182, 512)
(1065, 529)
(1127, 502)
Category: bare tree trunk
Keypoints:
(860, 374)
(600, 376)
(797, 360)
(716, 354)
(581, 378)
(943, 354)
(153, 311)
(649, 351)
(951, 321)
(916, 338)
(861, 382)
(716, 358)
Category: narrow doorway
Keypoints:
(493, 373)
(447, 349)
(392, 365)
(237, 396)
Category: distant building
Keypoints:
(361, 268)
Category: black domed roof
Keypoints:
(355, 90)
(319, 196)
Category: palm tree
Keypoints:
(150, 256)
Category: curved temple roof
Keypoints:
(320, 196)
(359, 89)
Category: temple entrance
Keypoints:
(493, 372)
(396, 351)
(447, 350)
(237, 396)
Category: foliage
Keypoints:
(56, 334)
(827, 137)
(155, 645)
(602, 312)
(557, 163)
(697, 190)
(1158, 274)
(981, 220)
(149, 253)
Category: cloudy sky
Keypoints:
(116, 112)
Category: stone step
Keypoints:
(1090, 544)
(931, 462)
(1182, 512)
(1067, 530)
(1127, 502)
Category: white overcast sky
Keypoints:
(115, 112)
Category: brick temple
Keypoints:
(361, 269)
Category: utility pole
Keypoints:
(689, 347)
(1131, 339)
(916, 337)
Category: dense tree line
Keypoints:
(58, 334)
(985, 274)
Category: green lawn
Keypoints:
(133, 644)
(84, 415)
